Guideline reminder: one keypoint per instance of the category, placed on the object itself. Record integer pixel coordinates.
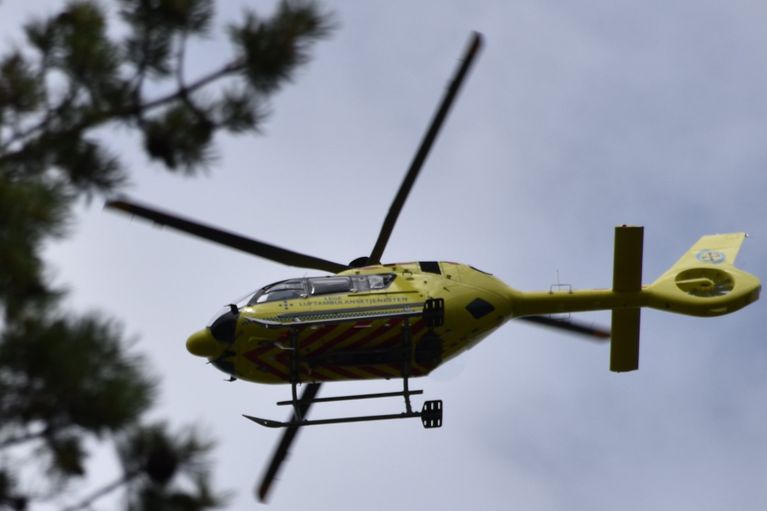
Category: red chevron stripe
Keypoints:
(375, 334)
(279, 362)
(395, 339)
(256, 353)
(380, 371)
(351, 331)
(346, 374)
(274, 370)
(317, 335)
(335, 341)
(319, 373)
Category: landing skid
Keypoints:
(430, 414)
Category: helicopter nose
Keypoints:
(203, 344)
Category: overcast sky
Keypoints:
(577, 116)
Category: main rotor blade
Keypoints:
(288, 437)
(423, 150)
(594, 332)
(222, 237)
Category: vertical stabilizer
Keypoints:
(705, 281)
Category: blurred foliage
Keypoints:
(68, 381)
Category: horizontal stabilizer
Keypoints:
(627, 280)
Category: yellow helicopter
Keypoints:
(370, 320)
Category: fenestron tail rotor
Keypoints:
(216, 235)
(437, 121)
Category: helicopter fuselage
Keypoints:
(364, 323)
(379, 321)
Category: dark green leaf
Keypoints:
(189, 16)
(65, 379)
(271, 50)
(240, 111)
(87, 164)
(181, 137)
(20, 89)
(68, 456)
(71, 372)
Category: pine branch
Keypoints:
(23, 438)
(96, 119)
(103, 491)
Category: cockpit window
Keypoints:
(315, 286)
(285, 290)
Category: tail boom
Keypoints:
(703, 282)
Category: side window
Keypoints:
(328, 285)
(372, 282)
(380, 281)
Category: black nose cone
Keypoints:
(224, 328)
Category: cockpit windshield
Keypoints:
(315, 286)
(285, 290)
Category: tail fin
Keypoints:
(714, 249)
(705, 281)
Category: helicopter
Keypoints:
(374, 320)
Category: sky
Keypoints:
(577, 116)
